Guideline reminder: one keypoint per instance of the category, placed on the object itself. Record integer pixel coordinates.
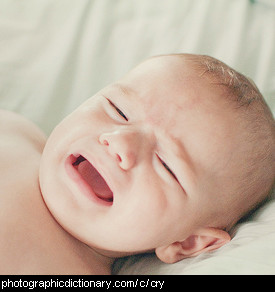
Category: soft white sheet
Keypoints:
(55, 54)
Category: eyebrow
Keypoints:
(124, 89)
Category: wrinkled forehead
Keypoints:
(177, 100)
(168, 86)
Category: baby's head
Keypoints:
(167, 159)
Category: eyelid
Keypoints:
(167, 167)
(119, 111)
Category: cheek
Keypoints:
(146, 206)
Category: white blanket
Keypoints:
(54, 54)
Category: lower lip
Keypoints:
(83, 186)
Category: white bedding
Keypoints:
(54, 54)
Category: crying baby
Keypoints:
(166, 161)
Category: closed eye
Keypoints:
(120, 112)
(167, 168)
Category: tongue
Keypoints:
(95, 180)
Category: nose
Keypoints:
(123, 146)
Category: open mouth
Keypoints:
(94, 180)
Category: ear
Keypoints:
(205, 239)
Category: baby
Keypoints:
(166, 160)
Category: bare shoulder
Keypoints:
(16, 127)
(21, 146)
(9, 119)
(12, 123)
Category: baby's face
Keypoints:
(139, 165)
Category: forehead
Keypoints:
(167, 87)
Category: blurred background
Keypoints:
(54, 54)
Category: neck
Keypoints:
(103, 260)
